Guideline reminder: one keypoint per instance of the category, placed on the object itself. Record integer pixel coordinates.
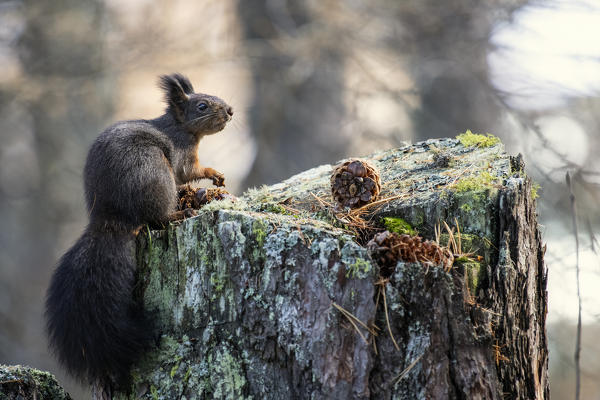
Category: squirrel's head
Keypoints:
(199, 113)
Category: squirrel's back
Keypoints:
(128, 175)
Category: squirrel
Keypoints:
(133, 169)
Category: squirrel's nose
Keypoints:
(230, 111)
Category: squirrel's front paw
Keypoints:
(218, 179)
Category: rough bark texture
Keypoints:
(18, 383)
(246, 294)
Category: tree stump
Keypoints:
(18, 383)
(275, 296)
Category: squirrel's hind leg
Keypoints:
(183, 214)
(101, 391)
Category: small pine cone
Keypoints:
(195, 198)
(387, 248)
(211, 194)
(186, 196)
(355, 183)
(382, 250)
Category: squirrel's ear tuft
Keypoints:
(185, 83)
(176, 88)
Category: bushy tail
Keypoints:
(94, 326)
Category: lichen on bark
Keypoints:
(241, 294)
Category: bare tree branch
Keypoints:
(578, 337)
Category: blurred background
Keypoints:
(311, 82)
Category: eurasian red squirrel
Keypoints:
(133, 169)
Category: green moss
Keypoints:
(358, 269)
(175, 368)
(470, 139)
(475, 182)
(259, 231)
(188, 373)
(466, 207)
(473, 272)
(31, 382)
(535, 188)
(154, 392)
(472, 202)
(274, 208)
(398, 225)
(472, 246)
(218, 281)
(469, 243)
(152, 267)
(228, 378)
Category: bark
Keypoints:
(247, 295)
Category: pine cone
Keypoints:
(196, 197)
(355, 183)
(387, 248)
(186, 198)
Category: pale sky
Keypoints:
(549, 53)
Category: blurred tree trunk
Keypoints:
(448, 46)
(298, 76)
(57, 103)
(66, 91)
(586, 171)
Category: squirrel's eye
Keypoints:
(202, 106)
